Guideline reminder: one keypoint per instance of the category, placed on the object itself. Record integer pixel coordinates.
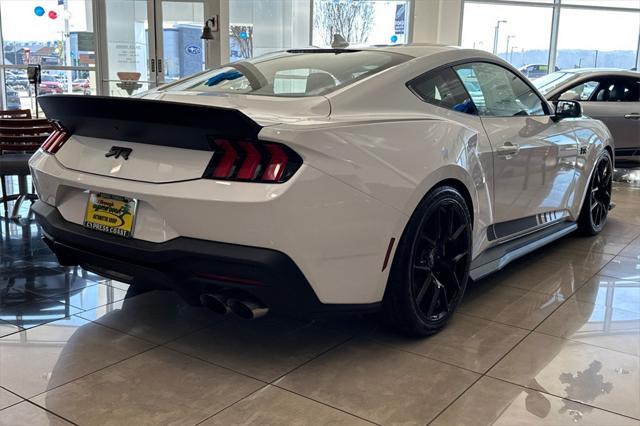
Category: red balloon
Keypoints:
(53, 14)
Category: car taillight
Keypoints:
(56, 139)
(252, 161)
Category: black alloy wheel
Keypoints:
(595, 209)
(601, 192)
(439, 267)
(431, 265)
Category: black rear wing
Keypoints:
(174, 124)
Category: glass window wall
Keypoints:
(544, 36)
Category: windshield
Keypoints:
(292, 73)
(547, 83)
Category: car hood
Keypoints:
(264, 110)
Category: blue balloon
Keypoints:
(39, 10)
(394, 38)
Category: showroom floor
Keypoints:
(553, 339)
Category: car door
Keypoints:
(615, 101)
(533, 155)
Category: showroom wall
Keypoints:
(102, 42)
(437, 21)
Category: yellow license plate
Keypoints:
(111, 214)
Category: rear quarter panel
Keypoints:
(593, 137)
(397, 161)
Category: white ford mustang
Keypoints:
(309, 182)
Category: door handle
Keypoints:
(633, 116)
(508, 149)
(153, 65)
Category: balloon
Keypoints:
(53, 14)
(39, 10)
(394, 38)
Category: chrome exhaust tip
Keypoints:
(247, 309)
(216, 302)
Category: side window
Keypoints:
(618, 90)
(581, 92)
(443, 89)
(498, 92)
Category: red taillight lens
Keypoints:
(277, 163)
(245, 160)
(55, 140)
(224, 167)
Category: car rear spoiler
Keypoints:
(174, 124)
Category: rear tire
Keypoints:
(595, 208)
(430, 270)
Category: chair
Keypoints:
(24, 122)
(19, 138)
(16, 113)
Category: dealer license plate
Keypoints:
(111, 214)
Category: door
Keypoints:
(150, 42)
(615, 101)
(128, 62)
(533, 156)
(180, 51)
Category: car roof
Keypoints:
(414, 49)
(602, 72)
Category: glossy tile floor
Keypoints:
(554, 339)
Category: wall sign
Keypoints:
(193, 49)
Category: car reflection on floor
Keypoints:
(552, 339)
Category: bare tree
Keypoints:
(352, 19)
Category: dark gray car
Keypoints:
(612, 96)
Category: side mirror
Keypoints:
(568, 109)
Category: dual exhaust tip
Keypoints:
(244, 308)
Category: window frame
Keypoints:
(548, 111)
(430, 74)
(543, 101)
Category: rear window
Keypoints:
(292, 73)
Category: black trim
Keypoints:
(180, 264)
(627, 152)
(495, 258)
(174, 124)
(511, 227)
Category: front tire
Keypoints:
(431, 266)
(595, 208)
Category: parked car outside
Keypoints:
(13, 98)
(81, 85)
(535, 70)
(49, 85)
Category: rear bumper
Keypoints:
(189, 266)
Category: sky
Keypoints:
(19, 22)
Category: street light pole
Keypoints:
(497, 34)
(511, 54)
(506, 52)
